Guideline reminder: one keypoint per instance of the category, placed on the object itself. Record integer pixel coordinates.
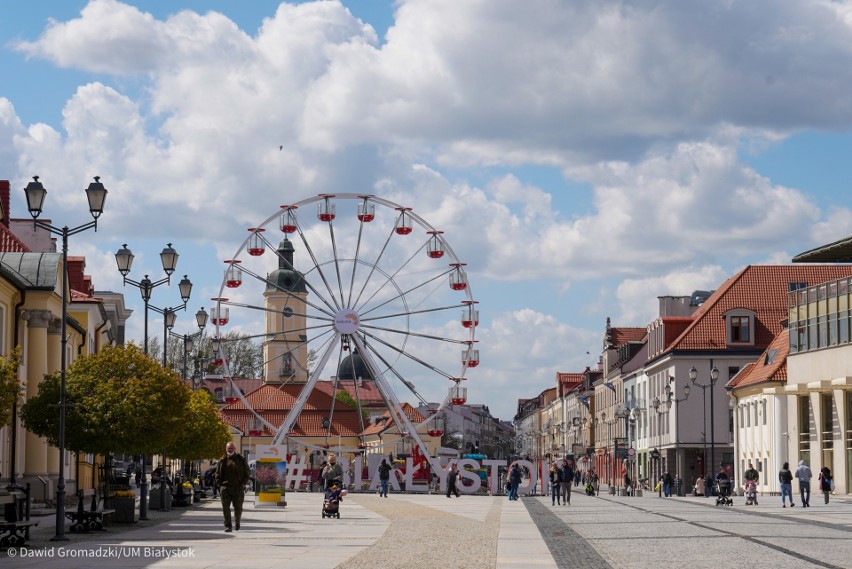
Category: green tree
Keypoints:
(118, 400)
(10, 385)
(203, 433)
(244, 355)
(344, 397)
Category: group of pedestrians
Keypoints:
(804, 475)
(561, 478)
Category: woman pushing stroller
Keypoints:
(332, 475)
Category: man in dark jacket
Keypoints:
(567, 480)
(384, 478)
(232, 474)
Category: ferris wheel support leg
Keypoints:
(303, 396)
(400, 418)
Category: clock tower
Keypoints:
(285, 351)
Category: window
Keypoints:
(740, 326)
(763, 404)
(740, 329)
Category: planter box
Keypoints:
(126, 510)
(154, 499)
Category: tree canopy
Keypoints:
(10, 385)
(118, 400)
(204, 433)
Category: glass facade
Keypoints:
(819, 316)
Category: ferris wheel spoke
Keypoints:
(388, 279)
(331, 309)
(301, 365)
(355, 261)
(402, 294)
(396, 374)
(412, 312)
(299, 404)
(359, 406)
(336, 259)
(407, 354)
(415, 334)
(287, 292)
(374, 266)
(318, 267)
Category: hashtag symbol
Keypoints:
(296, 475)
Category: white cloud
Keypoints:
(200, 131)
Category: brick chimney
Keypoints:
(4, 200)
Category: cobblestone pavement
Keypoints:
(650, 532)
(484, 532)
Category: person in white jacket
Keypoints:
(804, 474)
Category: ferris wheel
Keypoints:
(350, 287)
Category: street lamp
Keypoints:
(169, 317)
(655, 454)
(622, 413)
(669, 398)
(124, 261)
(714, 375)
(201, 318)
(36, 193)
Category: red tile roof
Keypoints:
(623, 335)
(770, 367)
(760, 288)
(367, 392)
(273, 402)
(569, 377)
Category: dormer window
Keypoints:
(740, 327)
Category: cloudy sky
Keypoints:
(582, 157)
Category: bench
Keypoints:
(14, 532)
(83, 520)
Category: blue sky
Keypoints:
(582, 157)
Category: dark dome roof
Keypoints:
(361, 369)
(285, 278)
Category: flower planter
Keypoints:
(126, 510)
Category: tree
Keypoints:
(244, 355)
(10, 385)
(118, 400)
(344, 397)
(203, 433)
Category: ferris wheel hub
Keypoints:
(346, 321)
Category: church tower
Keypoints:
(285, 351)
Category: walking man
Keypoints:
(804, 474)
(567, 480)
(452, 476)
(384, 478)
(515, 480)
(232, 474)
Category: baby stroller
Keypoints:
(723, 493)
(590, 489)
(331, 503)
(751, 493)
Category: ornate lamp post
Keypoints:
(714, 375)
(201, 318)
(669, 399)
(655, 454)
(96, 194)
(169, 317)
(124, 261)
(622, 413)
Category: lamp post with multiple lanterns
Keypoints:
(714, 376)
(124, 261)
(36, 193)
